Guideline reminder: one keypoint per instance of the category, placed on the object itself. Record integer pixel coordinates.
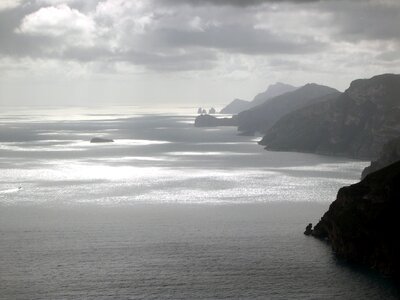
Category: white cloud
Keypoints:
(8, 4)
(59, 21)
(122, 16)
(55, 2)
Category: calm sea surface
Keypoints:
(167, 211)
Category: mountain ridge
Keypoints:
(273, 90)
(355, 124)
(260, 118)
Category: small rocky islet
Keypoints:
(99, 140)
(211, 121)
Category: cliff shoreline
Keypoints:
(362, 223)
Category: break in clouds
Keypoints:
(255, 41)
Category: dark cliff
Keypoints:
(356, 124)
(363, 223)
(260, 118)
(389, 154)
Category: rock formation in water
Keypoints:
(389, 154)
(274, 90)
(363, 223)
(212, 111)
(101, 140)
(308, 230)
(263, 116)
(200, 110)
(355, 124)
(211, 121)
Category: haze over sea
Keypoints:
(167, 211)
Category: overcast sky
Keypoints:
(188, 52)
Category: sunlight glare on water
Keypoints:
(155, 158)
(167, 211)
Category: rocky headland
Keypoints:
(362, 224)
(355, 124)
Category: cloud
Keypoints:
(208, 48)
(366, 20)
(140, 32)
(57, 21)
(241, 3)
(9, 4)
(389, 56)
(241, 39)
(178, 35)
(178, 61)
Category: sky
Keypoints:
(188, 52)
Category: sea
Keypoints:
(166, 211)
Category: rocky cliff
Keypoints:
(363, 223)
(355, 124)
(262, 117)
(389, 154)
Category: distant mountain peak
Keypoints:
(236, 106)
(272, 91)
(313, 86)
(279, 85)
(277, 89)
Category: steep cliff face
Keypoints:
(363, 223)
(356, 124)
(262, 117)
(389, 154)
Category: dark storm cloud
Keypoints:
(242, 3)
(169, 42)
(159, 48)
(241, 39)
(368, 20)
